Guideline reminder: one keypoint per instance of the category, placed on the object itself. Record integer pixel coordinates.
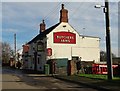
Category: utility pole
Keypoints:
(108, 44)
(15, 47)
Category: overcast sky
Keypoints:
(23, 18)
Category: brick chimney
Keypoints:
(63, 14)
(42, 26)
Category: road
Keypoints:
(15, 79)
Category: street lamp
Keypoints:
(108, 44)
(98, 6)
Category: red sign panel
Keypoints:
(49, 51)
(64, 37)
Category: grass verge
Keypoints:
(97, 76)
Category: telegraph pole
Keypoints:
(15, 42)
(108, 44)
(15, 47)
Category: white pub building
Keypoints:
(61, 42)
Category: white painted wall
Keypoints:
(85, 41)
(87, 54)
(85, 47)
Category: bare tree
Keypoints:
(6, 52)
(103, 56)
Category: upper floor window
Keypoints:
(40, 46)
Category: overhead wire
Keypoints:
(83, 11)
(74, 12)
(51, 12)
(54, 15)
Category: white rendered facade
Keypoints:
(85, 46)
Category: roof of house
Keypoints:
(43, 34)
(89, 36)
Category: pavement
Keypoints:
(99, 84)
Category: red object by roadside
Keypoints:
(101, 68)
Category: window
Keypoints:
(75, 58)
(40, 46)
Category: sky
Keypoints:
(23, 18)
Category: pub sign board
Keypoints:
(64, 37)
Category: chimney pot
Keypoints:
(42, 26)
(62, 6)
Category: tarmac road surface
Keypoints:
(14, 79)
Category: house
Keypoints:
(19, 54)
(60, 43)
(14, 60)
